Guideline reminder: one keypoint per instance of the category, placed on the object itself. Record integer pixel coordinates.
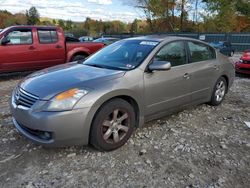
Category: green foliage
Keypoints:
(243, 7)
(32, 16)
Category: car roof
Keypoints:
(160, 38)
(31, 26)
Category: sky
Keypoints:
(76, 10)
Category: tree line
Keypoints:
(159, 16)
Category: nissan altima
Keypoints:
(102, 100)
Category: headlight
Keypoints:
(66, 100)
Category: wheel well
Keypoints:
(79, 53)
(227, 80)
(132, 102)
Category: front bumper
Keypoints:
(242, 68)
(52, 128)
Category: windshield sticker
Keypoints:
(149, 43)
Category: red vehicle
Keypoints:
(243, 66)
(33, 47)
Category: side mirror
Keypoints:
(5, 41)
(160, 66)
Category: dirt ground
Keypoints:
(202, 146)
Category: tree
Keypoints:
(61, 23)
(157, 9)
(224, 14)
(69, 25)
(243, 7)
(32, 16)
(134, 26)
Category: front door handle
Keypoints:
(186, 76)
(58, 46)
(216, 67)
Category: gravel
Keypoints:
(202, 146)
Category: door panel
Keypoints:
(204, 75)
(166, 89)
(20, 52)
(50, 47)
(204, 70)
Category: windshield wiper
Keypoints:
(103, 66)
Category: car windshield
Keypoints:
(123, 55)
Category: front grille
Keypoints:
(246, 62)
(247, 69)
(24, 98)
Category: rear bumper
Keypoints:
(56, 129)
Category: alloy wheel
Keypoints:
(220, 91)
(115, 126)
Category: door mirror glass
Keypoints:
(5, 41)
(160, 66)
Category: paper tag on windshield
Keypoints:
(150, 43)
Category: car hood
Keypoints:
(49, 82)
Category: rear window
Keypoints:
(47, 36)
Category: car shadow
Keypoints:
(242, 75)
(14, 75)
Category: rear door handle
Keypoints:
(58, 46)
(32, 48)
(186, 76)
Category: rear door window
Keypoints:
(200, 52)
(47, 36)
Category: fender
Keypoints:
(106, 97)
(77, 50)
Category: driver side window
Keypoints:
(174, 53)
(20, 37)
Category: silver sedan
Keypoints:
(102, 100)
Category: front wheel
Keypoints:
(219, 92)
(112, 125)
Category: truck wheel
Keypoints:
(219, 92)
(78, 57)
(113, 125)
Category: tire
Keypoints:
(78, 57)
(219, 92)
(112, 125)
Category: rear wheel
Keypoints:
(219, 92)
(232, 53)
(78, 57)
(113, 125)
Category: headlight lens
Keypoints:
(66, 100)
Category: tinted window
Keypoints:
(174, 53)
(20, 37)
(200, 52)
(47, 36)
